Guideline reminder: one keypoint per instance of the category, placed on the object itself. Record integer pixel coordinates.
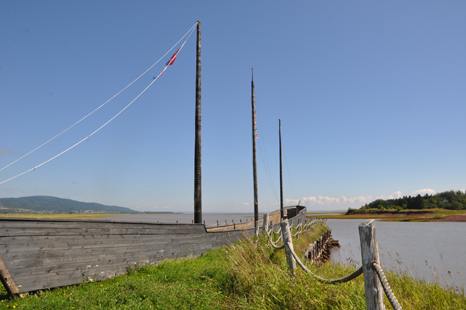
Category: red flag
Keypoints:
(172, 59)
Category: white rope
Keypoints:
(341, 280)
(98, 129)
(189, 31)
(289, 176)
(386, 287)
(274, 244)
(298, 230)
(276, 241)
(266, 161)
(278, 231)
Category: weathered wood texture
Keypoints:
(373, 290)
(286, 233)
(38, 254)
(282, 213)
(274, 216)
(254, 160)
(7, 279)
(198, 135)
(318, 250)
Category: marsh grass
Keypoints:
(262, 279)
(247, 275)
(435, 215)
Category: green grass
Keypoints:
(247, 275)
(177, 284)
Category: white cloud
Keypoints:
(323, 203)
(333, 203)
(343, 202)
(422, 192)
(395, 195)
(242, 206)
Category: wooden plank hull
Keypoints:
(37, 254)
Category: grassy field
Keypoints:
(247, 275)
(435, 215)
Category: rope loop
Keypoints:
(341, 280)
(273, 244)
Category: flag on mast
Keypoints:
(172, 59)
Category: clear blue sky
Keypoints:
(371, 95)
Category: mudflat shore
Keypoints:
(454, 218)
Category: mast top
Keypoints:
(252, 70)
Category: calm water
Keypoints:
(433, 251)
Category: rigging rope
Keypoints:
(267, 167)
(289, 176)
(98, 129)
(190, 31)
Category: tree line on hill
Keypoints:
(452, 200)
(48, 204)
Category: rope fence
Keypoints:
(386, 287)
(375, 282)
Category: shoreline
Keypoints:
(439, 216)
(453, 218)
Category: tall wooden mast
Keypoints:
(281, 170)
(197, 143)
(254, 161)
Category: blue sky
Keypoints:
(371, 96)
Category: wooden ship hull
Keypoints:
(37, 254)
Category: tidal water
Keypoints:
(434, 251)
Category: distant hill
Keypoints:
(48, 204)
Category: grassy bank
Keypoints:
(249, 275)
(430, 215)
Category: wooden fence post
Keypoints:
(370, 253)
(286, 235)
(265, 223)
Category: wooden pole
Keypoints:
(370, 253)
(197, 143)
(281, 171)
(254, 161)
(286, 233)
(265, 223)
